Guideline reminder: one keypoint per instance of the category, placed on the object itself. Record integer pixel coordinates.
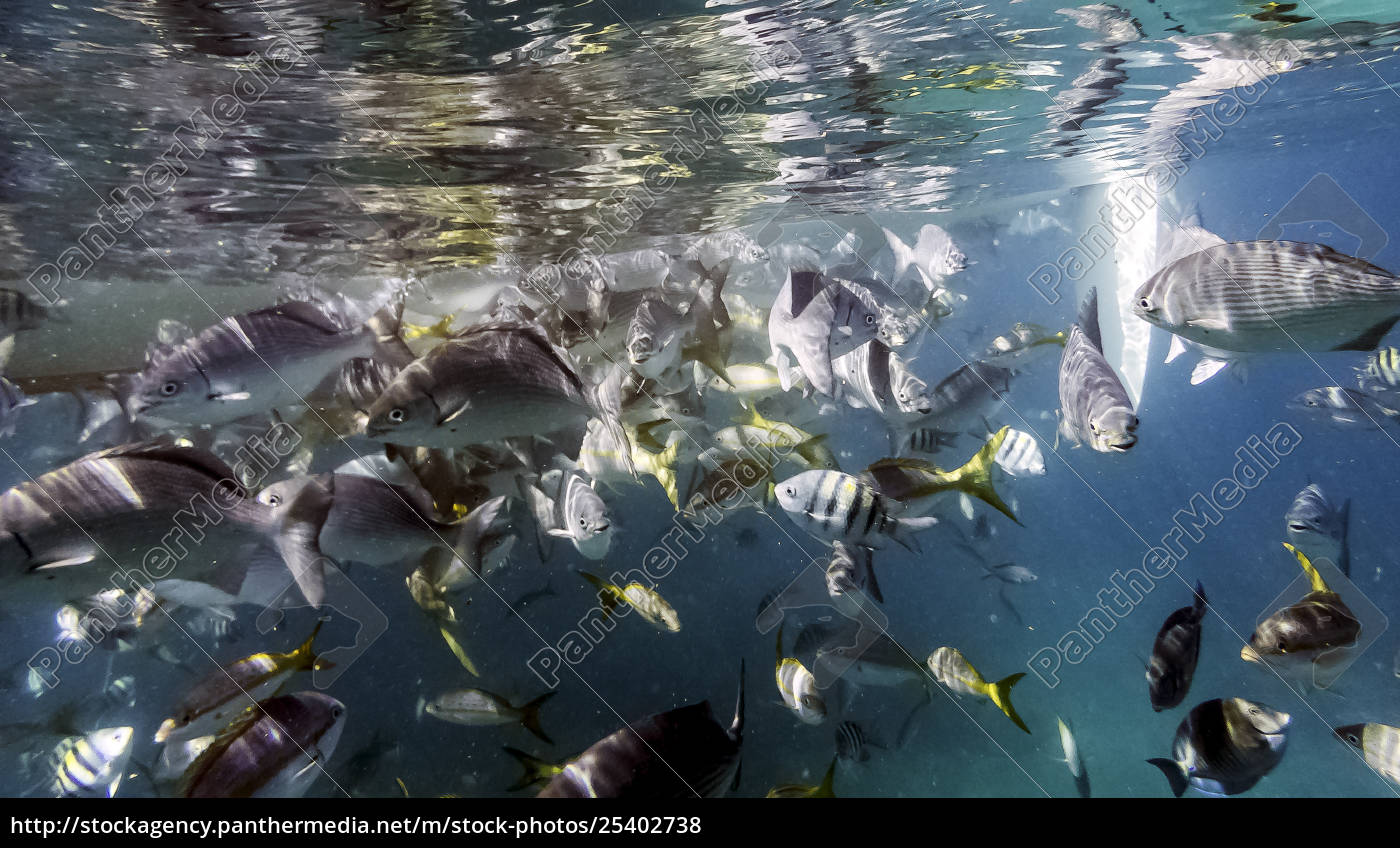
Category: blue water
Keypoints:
(460, 142)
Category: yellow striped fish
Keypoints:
(798, 688)
(1378, 743)
(92, 766)
(644, 600)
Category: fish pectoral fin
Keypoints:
(1178, 347)
(1207, 368)
(79, 559)
(558, 532)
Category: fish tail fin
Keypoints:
(807, 448)
(664, 471)
(387, 327)
(458, 651)
(530, 716)
(975, 477)
(611, 417)
(905, 257)
(1314, 578)
(1000, 693)
(534, 770)
(1199, 605)
(1175, 775)
(827, 788)
(306, 654)
(607, 592)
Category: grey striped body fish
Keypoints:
(852, 742)
(566, 506)
(839, 507)
(1319, 529)
(1224, 747)
(492, 382)
(1174, 654)
(1379, 744)
(1020, 455)
(1094, 406)
(1256, 296)
(276, 750)
(814, 321)
(876, 378)
(252, 363)
(1343, 408)
(1022, 342)
(682, 753)
(92, 766)
(963, 399)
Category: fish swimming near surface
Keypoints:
(1022, 342)
(682, 753)
(654, 337)
(1224, 747)
(839, 507)
(952, 669)
(1174, 654)
(274, 750)
(1308, 634)
(252, 363)
(935, 255)
(1094, 406)
(1379, 744)
(1319, 529)
(1258, 296)
(815, 321)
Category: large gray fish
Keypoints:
(1272, 296)
(493, 381)
(876, 378)
(1094, 406)
(275, 750)
(934, 254)
(1345, 409)
(126, 503)
(1302, 635)
(1174, 654)
(839, 507)
(1224, 747)
(12, 400)
(1319, 529)
(252, 363)
(566, 506)
(964, 399)
(814, 321)
(682, 753)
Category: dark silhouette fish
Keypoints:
(1174, 654)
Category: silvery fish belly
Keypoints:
(145, 505)
(277, 750)
(246, 365)
(1224, 747)
(1094, 406)
(493, 382)
(813, 321)
(376, 523)
(1272, 296)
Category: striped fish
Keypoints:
(929, 440)
(1020, 456)
(839, 507)
(851, 742)
(1381, 373)
(1224, 747)
(92, 766)
(682, 753)
(566, 506)
(1378, 743)
(1094, 406)
(1272, 296)
(646, 601)
(814, 321)
(274, 750)
(798, 688)
(876, 378)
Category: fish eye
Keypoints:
(1145, 303)
(870, 320)
(790, 491)
(170, 389)
(337, 712)
(583, 522)
(396, 415)
(274, 499)
(1353, 739)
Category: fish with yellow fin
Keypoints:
(1307, 634)
(952, 669)
(798, 688)
(646, 601)
(797, 790)
(917, 483)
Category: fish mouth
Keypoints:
(1248, 654)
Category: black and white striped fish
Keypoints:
(1094, 406)
(813, 321)
(1256, 296)
(838, 507)
(92, 766)
(1020, 456)
(852, 742)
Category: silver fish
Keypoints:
(276, 750)
(252, 363)
(654, 337)
(1094, 406)
(1224, 747)
(479, 708)
(1020, 456)
(839, 507)
(934, 254)
(566, 506)
(966, 397)
(876, 378)
(1346, 409)
(814, 321)
(1073, 759)
(682, 753)
(12, 400)
(493, 381)
(1010, 572)
(1272, 296)
(1319, 529)
(1023, 342)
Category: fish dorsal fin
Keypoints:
(1206, 369)
(804, 287)
(1314, 578)
(1089, 318)
(165, 449)
(905, 463)
(312, 315)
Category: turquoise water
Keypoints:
(458, 145)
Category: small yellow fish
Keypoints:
(645, 601)
(952, 669)
(824, 789)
